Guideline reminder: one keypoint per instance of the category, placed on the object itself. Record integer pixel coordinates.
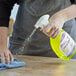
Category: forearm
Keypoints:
(67, 13)
(3, 37)
(4, 51)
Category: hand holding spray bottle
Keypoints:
(63, 45)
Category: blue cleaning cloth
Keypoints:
(14, 64)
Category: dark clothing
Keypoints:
(29, 12)
(73, 1)
(7, 5)
(5, 11)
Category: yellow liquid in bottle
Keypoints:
(63, 45)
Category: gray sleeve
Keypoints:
(75, 1)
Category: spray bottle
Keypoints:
(63, 45)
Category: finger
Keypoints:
(2, 59)
(55, 34)
(51, 32)
(48, 33)
(11, 57)
(7, 58)
(44, 31)
(48, 28)
(41, 30)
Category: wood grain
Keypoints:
(42, 66)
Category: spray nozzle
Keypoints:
(43, 21)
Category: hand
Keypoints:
(6, 54)
(56, 23)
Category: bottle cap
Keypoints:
(43, 21)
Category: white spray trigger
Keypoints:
(43, 21)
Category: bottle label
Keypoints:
(67, 45)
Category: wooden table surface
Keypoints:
(42, 66)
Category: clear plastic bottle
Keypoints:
(63, 45)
